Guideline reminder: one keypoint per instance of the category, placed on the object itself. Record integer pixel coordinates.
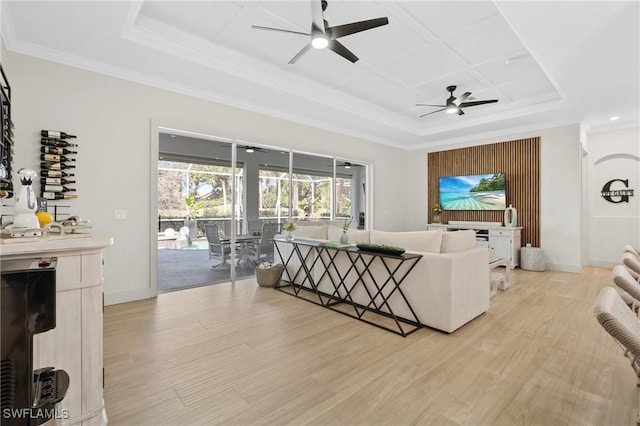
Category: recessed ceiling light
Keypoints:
(614, 118)
(249, 149)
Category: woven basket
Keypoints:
(269, 277)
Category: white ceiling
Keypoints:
(548, 63)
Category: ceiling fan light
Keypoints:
(319, 42)
(452, 109)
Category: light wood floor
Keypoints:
(243, 355)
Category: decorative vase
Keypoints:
(436, 218)
(289, 235)
(510, 216)
(344, 238)
(26, 202)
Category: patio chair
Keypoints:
(217, 248)
(632, 262)
(264, 249)
(622, 324)
(252, 226)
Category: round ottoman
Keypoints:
(532, 259)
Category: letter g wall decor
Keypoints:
(615, 195)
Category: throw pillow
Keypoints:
(425, 241)
(317, 232)
(456, 241)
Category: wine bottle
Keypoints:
(55, 157)
(55, 173)
(56, 134)
(56, 150)
(58, 188)
(51, 165)
(56, 142)
(56, 181)
(58, 196)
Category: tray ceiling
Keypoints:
(547, 63)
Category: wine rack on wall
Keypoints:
(6, 140)
(518, 159)
(57, 166)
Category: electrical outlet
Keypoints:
(120, 215)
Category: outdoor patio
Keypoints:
(191, 267)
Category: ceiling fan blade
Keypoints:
(460, 111)
(439, 106)
(258, 27)
(317, 16)
(474, 103)
(356, 27)
(300, 53)
(339, 48)
(462, 98)
(432, 112)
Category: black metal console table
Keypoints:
(376, 287)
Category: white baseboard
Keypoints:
(564, 268)
(603, 263)
(128, 296)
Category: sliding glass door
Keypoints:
(219, 204)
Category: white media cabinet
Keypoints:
(502, 241)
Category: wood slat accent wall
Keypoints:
(518, 159)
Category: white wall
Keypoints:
(560, 191)
(611, 155)
(112, 119)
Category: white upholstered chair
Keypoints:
(622, 324)
(628, 287)
(631, 249)
(632, 262)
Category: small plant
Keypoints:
(345, 227)
(436, 209)
(289, 226)
(192, 206)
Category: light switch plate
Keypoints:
(120, 215)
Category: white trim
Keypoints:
(128, 296)
(154, 147)
(602, 263)
(564, 268)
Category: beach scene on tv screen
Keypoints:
(474, 192)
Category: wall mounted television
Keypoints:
(473, 192)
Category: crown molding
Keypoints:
(498, 134)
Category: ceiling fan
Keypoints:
(455, 105)
(250, 149)
(322, 35)
(347, 165)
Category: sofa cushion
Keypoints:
(426, 241)
(318, 232)
(354, 235)
(456, 241)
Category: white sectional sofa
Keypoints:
(447, 288)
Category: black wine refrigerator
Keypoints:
(28, 306)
